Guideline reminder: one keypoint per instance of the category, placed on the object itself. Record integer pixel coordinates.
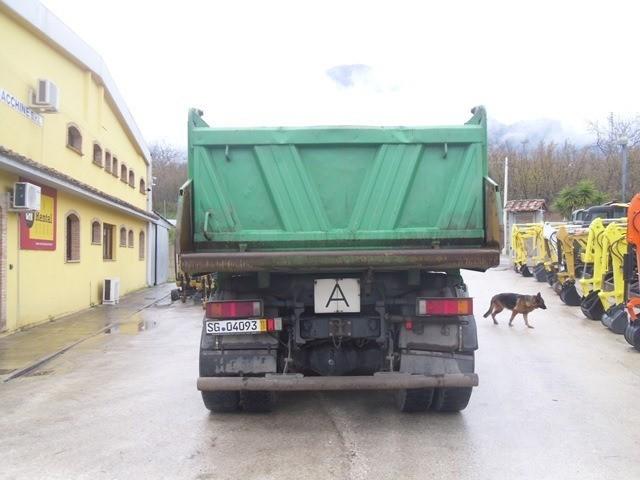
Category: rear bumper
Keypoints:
(441, 258)
(297, 382)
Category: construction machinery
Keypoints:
(571, 242)
(338, 254)
(527, 247)
(632, 332)
(593, 275)
(613, 293)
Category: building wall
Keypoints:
(25, 57)
(42, 285)
(38, 285)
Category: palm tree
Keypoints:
(582, 194)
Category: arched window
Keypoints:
(132, 179)
(72, 238)
(123, 237)
(114, 167)
(74, 139)
(96, 232)
(130, 238)
(143, 187)
(107, 161)
(141, 246)
(123, 173)
(97, 154)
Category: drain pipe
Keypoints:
(155, 257)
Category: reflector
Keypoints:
(444, 306)
(234, 309)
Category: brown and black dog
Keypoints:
(523, 304)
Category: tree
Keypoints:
(170, 172)
(582, 194)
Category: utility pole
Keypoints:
(504, 205)
(622, 141)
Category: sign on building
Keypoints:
(38, 229)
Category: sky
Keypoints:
(269, 63)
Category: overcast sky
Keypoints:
(393, 63)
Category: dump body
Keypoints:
(338, 189)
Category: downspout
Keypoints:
(155, 257)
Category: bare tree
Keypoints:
(617, 128)
(170, 172)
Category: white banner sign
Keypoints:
(18, 106)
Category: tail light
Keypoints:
(444, 306)
(234, 309)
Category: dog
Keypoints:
(523, 304)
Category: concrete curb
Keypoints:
(42, 360)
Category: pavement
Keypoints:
(22, 351)
(555, 402)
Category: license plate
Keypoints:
(336, 295)
(223, 327)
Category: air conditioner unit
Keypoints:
(45, 97)
(111, 291)
(26, 196)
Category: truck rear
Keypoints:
(336, 253)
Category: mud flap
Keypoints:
(591, 306)
(632, 334)
(569, 295)
(615, 319)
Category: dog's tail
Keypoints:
(490, 308)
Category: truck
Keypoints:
(336, 254)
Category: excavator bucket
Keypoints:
(615, 319)
(632, 334)
(591, 306)
(540, 272)
(569, 294)
(524, 270)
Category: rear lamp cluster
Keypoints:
(444, 306)
(234, 309)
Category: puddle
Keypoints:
(133, 326)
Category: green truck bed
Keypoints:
(337, 192)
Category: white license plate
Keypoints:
(223, 327)
(336, 295)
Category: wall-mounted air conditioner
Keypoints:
(45, 97)
(111, 291)
(26, 196)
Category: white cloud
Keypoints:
(266, 63)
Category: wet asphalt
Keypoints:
(556, 402)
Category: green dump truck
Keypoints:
(336, 253)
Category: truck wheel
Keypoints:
(414, 399)
(221, 402)
(257, 401)
(451, 399)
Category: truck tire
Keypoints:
(451, 399)
(221, 402)
(414, 399)
(257, 401)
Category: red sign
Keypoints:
(38, 229)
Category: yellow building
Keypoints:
(65, 128)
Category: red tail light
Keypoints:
(234, 309)
(444, 306)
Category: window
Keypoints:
(130, 238)
(143, 187)
(97, 154)
(132, 179)
(72, 238)
(107, 161)
(96, 230)
(107, 241)
(74, 139)
(114, 167)
(123, 173)
(141, 246)
(123, 237)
